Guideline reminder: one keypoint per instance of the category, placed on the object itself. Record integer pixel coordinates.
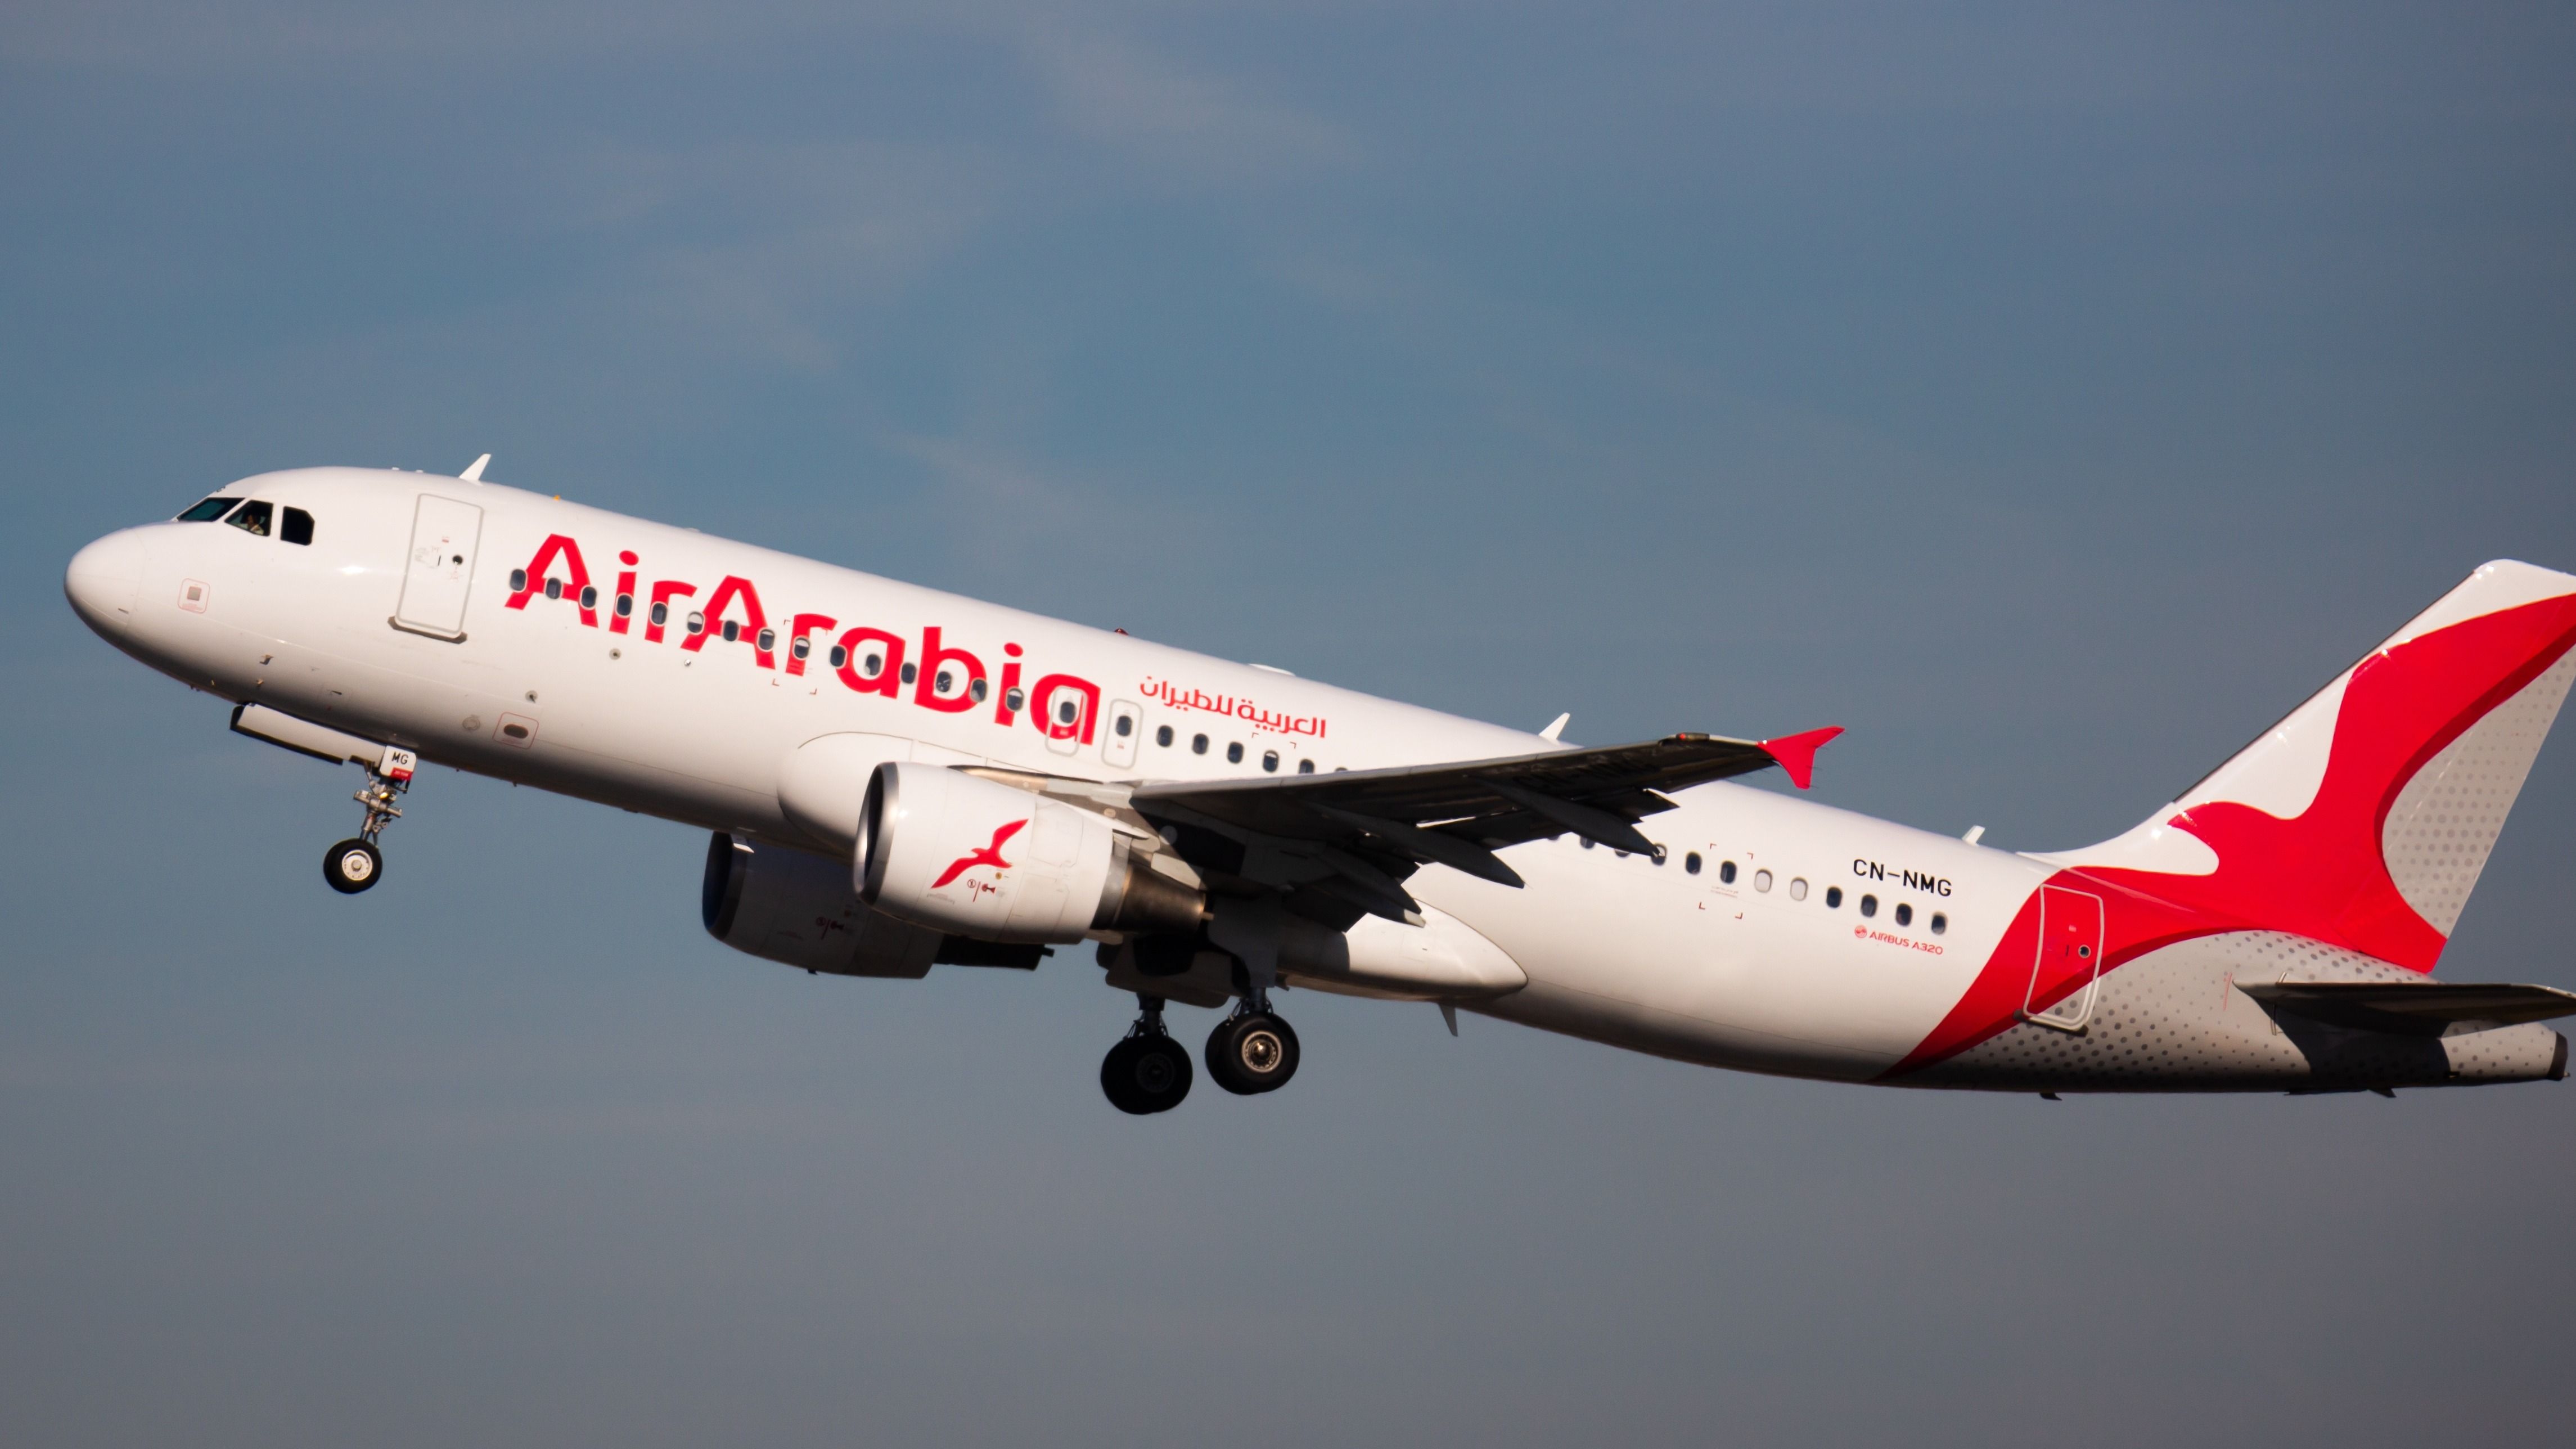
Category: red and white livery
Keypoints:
(896, 778)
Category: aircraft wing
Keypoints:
(1369, 829)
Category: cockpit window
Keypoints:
(251, 518)
(209, 511)
(297, 527)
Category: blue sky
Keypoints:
(2051, 394)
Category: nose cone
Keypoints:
(102, 579)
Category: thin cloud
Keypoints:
(1121, 93)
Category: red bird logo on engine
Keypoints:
(987, 855)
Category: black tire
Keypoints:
(1252, 1053)
(352, 866)
(1145, 1074)
(1159, 1072)
(1118, 1079)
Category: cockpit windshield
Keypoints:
(209, 511)
(252, 518)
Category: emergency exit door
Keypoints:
(440, 567)
(2066, 972)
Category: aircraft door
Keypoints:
(1126, 722)
(2069, 956)
(440, 568)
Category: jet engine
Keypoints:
(963, 854)
(786, 905)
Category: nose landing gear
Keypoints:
(1148, 1072)
(355, 864)
(1252, 1051)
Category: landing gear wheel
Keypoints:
(352, 865)
(1252, 1052)
(1145, 1074)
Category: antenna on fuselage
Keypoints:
(474, 471)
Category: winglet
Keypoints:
(474, 471)
(1797, 753)
(1555, 727)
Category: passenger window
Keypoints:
(625, 605)
(1690, 862)
(1797, 887)
(1762, 880)
(1833, 898)
(697, 619)
(803, 648)
(1305, 767)
(839, 656)
(766, 641)
(732, 630)
(661, 609)
(297, 526)
(1904, 913)
(1198, 744)
(1015, 699)
(251, 518)
(911, 671)
(977, 688)
(1124, 725)
(1869, 905)
(1234, 752)
(1270, 762)
(1726, 872)
(589, 595)
(554, 588)
(1940, 923)
(209, 511)
(1163, 736)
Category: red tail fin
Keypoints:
(2364, 818)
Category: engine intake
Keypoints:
(956, 852)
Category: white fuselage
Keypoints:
(586, 652)
(1616, 947)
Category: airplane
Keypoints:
(895, 779)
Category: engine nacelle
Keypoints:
(963, 854)
(786, 905)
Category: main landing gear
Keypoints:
(1249, 1053)
(1148, 1072)
(356, 863)
(1252, 1051)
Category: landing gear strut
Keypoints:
(1252, 1051)
(356, 863)
(1148, 1072)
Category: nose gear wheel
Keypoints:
(357, 863)
(352, 865)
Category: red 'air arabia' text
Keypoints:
(933, 673)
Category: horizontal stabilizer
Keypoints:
(2413, 1010)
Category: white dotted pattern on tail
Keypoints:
(2447, 818)
(2173, 1021)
